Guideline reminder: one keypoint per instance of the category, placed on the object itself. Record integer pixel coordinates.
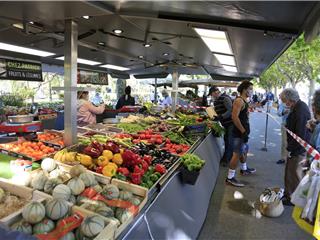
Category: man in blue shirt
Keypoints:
(283, 112)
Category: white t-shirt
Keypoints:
(167, 101)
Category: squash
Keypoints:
(22, 226)
(88, 179)
(61, 191)
(92, 225)
(39, 181)
(33, 212)
(97, 187)
(57, 208)
(55, 173)
(125, 195)
(76, 170)
(45, 226)
(68, 236)
(135, 201)
(110, 191)
(76, 185)
(123, 215)
(51, 184)
(22, 179)
(79, 235)
(105, 211)
(48, 164)
(73, 199)
(90, 206)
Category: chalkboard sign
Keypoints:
(20, 70)
(98, 78)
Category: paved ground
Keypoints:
(229, 218)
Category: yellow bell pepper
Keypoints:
(109, 170)
(117, 159)
(102, 161)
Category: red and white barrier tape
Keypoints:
(310, 150)
(192, 107)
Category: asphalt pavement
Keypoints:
(230, 215)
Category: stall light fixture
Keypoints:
(101, 43)
(18, 25)
(147, 45)
(165, 54)
(225, 59)
(86, 17)
(83, 61)
(15, 48)
(31, 22)
(215, 40)
(230, 68)
(115, 67)
(141, 57)
(117, 31)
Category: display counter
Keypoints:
(179, 210)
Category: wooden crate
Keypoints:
(20, 191)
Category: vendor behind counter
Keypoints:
(126, 99)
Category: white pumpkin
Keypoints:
(61, 191)
(92, 225)
(76, 185)
(56, 208)
(39, 181)
(88, 179)
(45, 226)
(48, 164)
(51, 184)
(76, 170)
(22, 226)
(33, 212)
(68, 236)
(73, 199)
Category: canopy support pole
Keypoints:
(70, 82)
(155, 90)
(174, 93)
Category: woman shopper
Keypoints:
(241, 131)
(126, 99)
(86, 110)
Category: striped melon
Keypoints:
(88, 179)
(97, 187)
(22, 226)
(39, 181)
(76, 185)
(125, 195)
(105, 211)
(33, 212)
(57, 208)
(110, 191)
(92, 226)
(123, 214)
(51, 184)
(55, 173)
(76, 170)
(48, 164)
(45, 226)
(79, 235)
(68, 236)
(73, 199)
(61, 191)
(135, 201)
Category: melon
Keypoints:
(22, 226)
(115, 221)
(39, 181)
(45, 226)
(125, 195)
(97, 187)
(68, 236)
(33, 212)
(2, 195)
(89, 206)
(56, 208)
(76, 185)
(79, 235)
(92, 225)
(82, 200)
(48, 164)
(105, 211)
(76, 170)
(55, 173)
(73, 199)
(51, 184)
(61, 191)
(110, 191)
(22, 179)
(123, 214)
(135, 201)
(88, 179)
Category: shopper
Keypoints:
(97, 99)
(241, 131)
(223, 107)
(296, 122)
(283, 112)
(86, 110)
(126, 99)
(314, 124)
(167, 100)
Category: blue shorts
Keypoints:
(239, 146)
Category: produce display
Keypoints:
(36, 150)
(46, 137)
(192, 162)
(10, 203)
(131, 127)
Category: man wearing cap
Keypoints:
(223, 107)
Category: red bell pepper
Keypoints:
(144, 165)
(92, 152)
(124, 171)
(136, 178)
(147, 158)
(99, 169)
(160, 168)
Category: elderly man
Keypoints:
(223, 107)
(296, 122)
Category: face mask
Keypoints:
(233, 97)
(249, 93)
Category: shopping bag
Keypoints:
(299, 196)
(316, 231)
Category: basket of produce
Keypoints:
(190, 170)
